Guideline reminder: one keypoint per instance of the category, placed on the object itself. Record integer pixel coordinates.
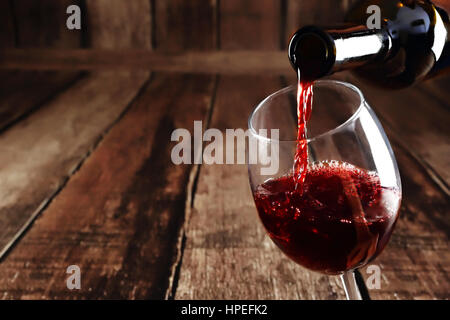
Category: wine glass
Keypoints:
(343, 215)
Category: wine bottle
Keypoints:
(412, 43)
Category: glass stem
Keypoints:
(350, 286)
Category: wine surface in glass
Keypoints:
(340, 220)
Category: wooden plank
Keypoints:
(29, 24)
(225, 243)
(322, 13)
(112, 272)
(25, 91)
(420, 120)
(250, 25)
(33, 24)
(227, 253)
(40, 153)
(437, 89)
(185, 25)
(43, 24)
(226, 62)
(7, 30)
(415, 263)
(180, 26)
(118, 24)
(64, 160)
(119, 216)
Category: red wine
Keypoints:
(340, 220)
(304, 107)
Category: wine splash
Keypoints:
(342, 219)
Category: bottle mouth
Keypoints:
(312, 51)
(319, 52)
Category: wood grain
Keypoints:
(7, 29)
(182, 25)
(322, 13)
(437, 89)
(96, 92)
(118, 24)
(119, 216)
(152, 194)
(415, 263)
(227, 253)
(42, 23)
(39, 153)
(416, 121)
(185, 25)
(25, 91)
(413, 266)
(420, 119)
(302, 13)
(250, 25)
(226, 62)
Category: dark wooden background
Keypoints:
(85, 171)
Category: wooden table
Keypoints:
(86, 177)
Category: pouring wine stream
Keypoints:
(368, 241)
(304, 108)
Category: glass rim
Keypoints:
(348, 121)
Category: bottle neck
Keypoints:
(356, 46)
(318, 52)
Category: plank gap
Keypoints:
(218, 26)
(46, 203)
(37, 106)
(190, 198)
(207, 125)
(153, 24)
(15, 23)
(85, 35)
(428, 169)
(176, 276)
